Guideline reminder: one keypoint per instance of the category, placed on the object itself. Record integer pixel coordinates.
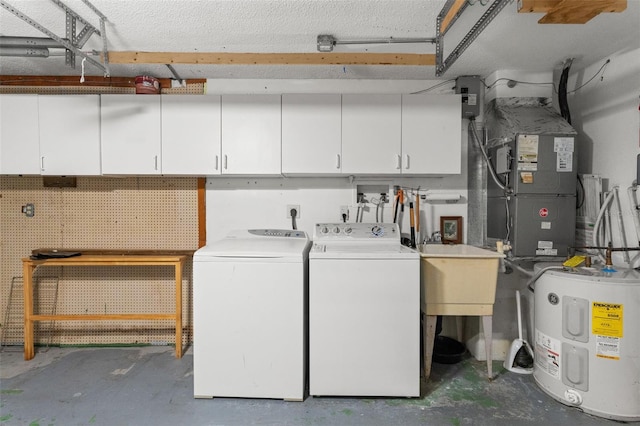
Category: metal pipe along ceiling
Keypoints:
(31, 52)
(10, 41)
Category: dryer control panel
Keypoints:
(356, 231)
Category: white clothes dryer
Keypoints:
(249, 310)
(364, 312)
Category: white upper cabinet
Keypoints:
(431, 134)
(130, 134)
(311, 134)
(69, 134)
(19, 135)
(251, 135)
(191, 135)
(371, 142)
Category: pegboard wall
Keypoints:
(100, 213)
(187, 89)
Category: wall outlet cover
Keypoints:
(291, 207)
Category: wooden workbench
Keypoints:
(103, 258)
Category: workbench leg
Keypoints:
(178, 273)
(487, 326)
(27, 290)
(429, 337)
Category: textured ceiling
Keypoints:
(512, 41)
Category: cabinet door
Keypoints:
(251, 134)
(130, 134)
(69, 134)
(311, 134)
(19, 136)
(431, 134)
(371, 134)
(190, 135)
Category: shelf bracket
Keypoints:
(73, 42)
(442, 64)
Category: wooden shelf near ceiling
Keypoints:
(570, 11)
(228, 58)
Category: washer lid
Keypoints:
(258, 243)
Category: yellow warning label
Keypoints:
(606, 319)
(574, 261)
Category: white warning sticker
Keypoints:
(528, 152)
(548, 354)
(563, 144)
(564, 162)
(608, 347)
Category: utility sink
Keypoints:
(458, 280)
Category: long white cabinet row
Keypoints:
(257, 135)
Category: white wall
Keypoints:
(241, 203)
(605, 113)
(527, 85)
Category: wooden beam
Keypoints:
(446, 21)
(536, 6)
(225, 58)
(570, 11)
(580, 11)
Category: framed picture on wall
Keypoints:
(451, 229)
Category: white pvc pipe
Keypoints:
(603, 209)
(635, 213)
(621, 230)
(635, 208)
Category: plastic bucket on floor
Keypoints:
(447, 350)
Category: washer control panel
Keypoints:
(356, 231)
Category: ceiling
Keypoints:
(512, 41)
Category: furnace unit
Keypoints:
(533, 151)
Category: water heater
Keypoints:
(587, 340)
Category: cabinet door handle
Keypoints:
(216, 162)
(42, 163)
(407, 163)
(225, 162)
(398, 161)
(337, 161)
(155, 162)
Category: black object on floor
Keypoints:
(447, 350)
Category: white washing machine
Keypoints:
(249, 310)
(587, 340)
(364, 312)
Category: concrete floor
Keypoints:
(149, 386)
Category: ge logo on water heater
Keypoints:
(543, 212)
(553, 298)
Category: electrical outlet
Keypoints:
(291, 207)
(29, 210)
(344, 212)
